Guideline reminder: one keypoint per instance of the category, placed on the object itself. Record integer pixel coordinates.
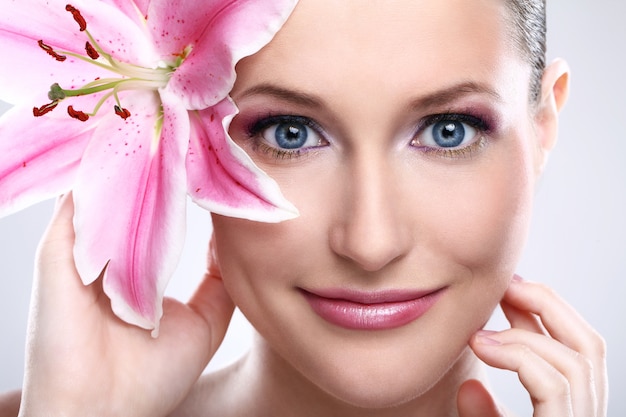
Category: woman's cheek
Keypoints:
(481, 220)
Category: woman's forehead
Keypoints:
(385, 44)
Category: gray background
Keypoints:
(578, 238)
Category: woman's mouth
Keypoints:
(382, 310)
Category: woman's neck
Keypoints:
(262, 383)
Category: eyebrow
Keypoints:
(450, 94)
(292, 96)
(437, 98)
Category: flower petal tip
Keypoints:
(283, 212)
(127, 314)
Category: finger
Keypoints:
(211, 300)
(213, 264)
(57, 286)
(10, 403)
(577, 369)
(563, 323)
(473, 400)
(58, 238)
(213, 304)
(549, 389)
(560, 319)
(522, 319)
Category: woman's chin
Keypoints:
(372, 386)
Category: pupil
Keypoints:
(448, 134)
(291, 135)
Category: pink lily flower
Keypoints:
(136, 120)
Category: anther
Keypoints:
(91, 51)
(46, 108)
(123, 113)
(51, 52)
(82, 23)
(77, 114)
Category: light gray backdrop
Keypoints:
(578, 237)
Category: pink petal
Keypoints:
(222, 178)
(28, 69)
(125, 38)
(137, 10)
(29, 77)
(130, 206)
(39, 157)
(235, 30)
(175, 24)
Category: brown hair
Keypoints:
(529, 20)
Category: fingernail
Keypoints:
(486, 337)
(517, 279)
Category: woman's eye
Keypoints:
(289, 133)
(447, 132)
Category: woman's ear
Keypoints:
(554, 94)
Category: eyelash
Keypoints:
(482, 128)
(258, 126)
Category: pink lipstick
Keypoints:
(382, 310)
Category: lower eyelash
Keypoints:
(466, 152)
(482, 127)
(275, 153)
(255, 129)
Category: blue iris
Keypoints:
(291, 135)
(448, 133)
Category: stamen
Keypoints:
(122, 112)
(46, 108)
(82, 23)
(91, 51)
(77, 114)
(132, 77)
(51, 52)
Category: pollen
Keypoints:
(51, 51)
(126, 75)
(46, 108)
(82, 23)
(77, 114)
(123, 113)
(91, 51)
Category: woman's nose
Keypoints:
(369, 229)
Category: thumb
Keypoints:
(214, 305)
(211, 300)
(473, 400)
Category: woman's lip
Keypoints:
(380, 310)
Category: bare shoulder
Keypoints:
(10, 403)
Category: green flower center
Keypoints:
(131, 77)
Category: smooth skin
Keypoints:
(82, 360)
(77, 370)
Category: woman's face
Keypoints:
(404, 135)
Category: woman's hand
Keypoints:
(559, 358)
(82, 360)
